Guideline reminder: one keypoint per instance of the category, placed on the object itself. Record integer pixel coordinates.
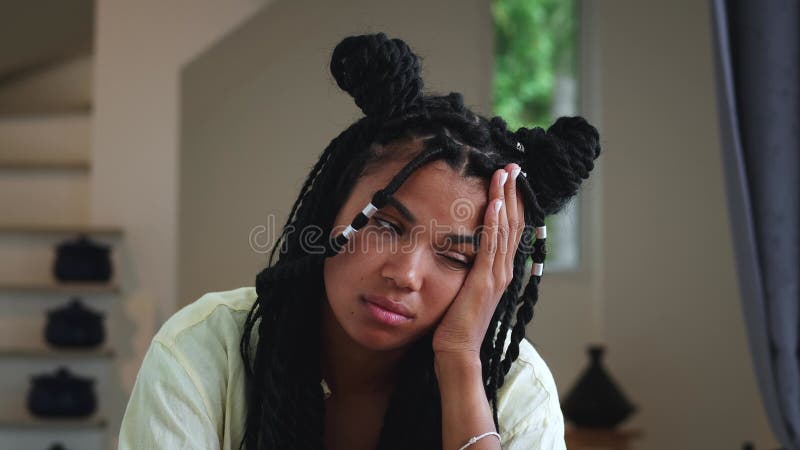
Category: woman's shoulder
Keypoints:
(191, 372)
(529, 371)
(528, 400)
(216, 315)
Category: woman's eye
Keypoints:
(387, 224)
(458, 261)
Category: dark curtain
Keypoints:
(757, 50)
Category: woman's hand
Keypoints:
(461, 330)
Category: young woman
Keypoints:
(394, 316)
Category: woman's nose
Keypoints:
(404, 267)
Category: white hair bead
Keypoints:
(541, 232)
(537, 269)
(523, 174)
(520, 147)
(348, 231)
(369, 210)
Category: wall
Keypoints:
(672, 310)
(139, 50)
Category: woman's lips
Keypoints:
(390, 305)
(390, 314)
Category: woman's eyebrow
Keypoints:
(453, 237)
(401, 208)
(462, 239)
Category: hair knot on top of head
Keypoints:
(381, 74)
(501, 135)
(456, 100)
(559, 159)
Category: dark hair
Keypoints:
(285, 406)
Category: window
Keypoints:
(535, 82)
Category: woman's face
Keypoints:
(407, 261)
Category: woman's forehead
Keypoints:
(436, 190)
(434, 173)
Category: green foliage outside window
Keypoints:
(536, 43)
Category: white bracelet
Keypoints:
(475, 439)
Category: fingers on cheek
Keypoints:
(516, 234)
(501, 258)
(488, 237)
(495, 190)
(495, 237)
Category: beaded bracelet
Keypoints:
(475, 439)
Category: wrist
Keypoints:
(456, 362)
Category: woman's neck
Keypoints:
(351, 369)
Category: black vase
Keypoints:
(61, 395)
(74, 326)
(595, 401)
(82, 260)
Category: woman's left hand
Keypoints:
(464, 325)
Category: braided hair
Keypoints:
(280, 344)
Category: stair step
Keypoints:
(33, 423)
(24, 318)
(61, 137)
(17, 384)
(53, 353)
(58, 288)
(44, 197)
(63, 86)
(65, 229)
(35, 434)
(44, 165)
(33, 112)
(30, 258)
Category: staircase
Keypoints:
(45, 163)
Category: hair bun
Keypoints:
(558, 160)
(381, 74)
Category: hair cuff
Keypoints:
(369, 210)
(348, 231)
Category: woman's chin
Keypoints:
(379, 341)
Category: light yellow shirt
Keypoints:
(189, 393)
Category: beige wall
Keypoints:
(672, 309)
(139, 50)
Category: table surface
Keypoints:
(600, 438)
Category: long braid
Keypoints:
(303, 191)
(531, 293)
(494, 378)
